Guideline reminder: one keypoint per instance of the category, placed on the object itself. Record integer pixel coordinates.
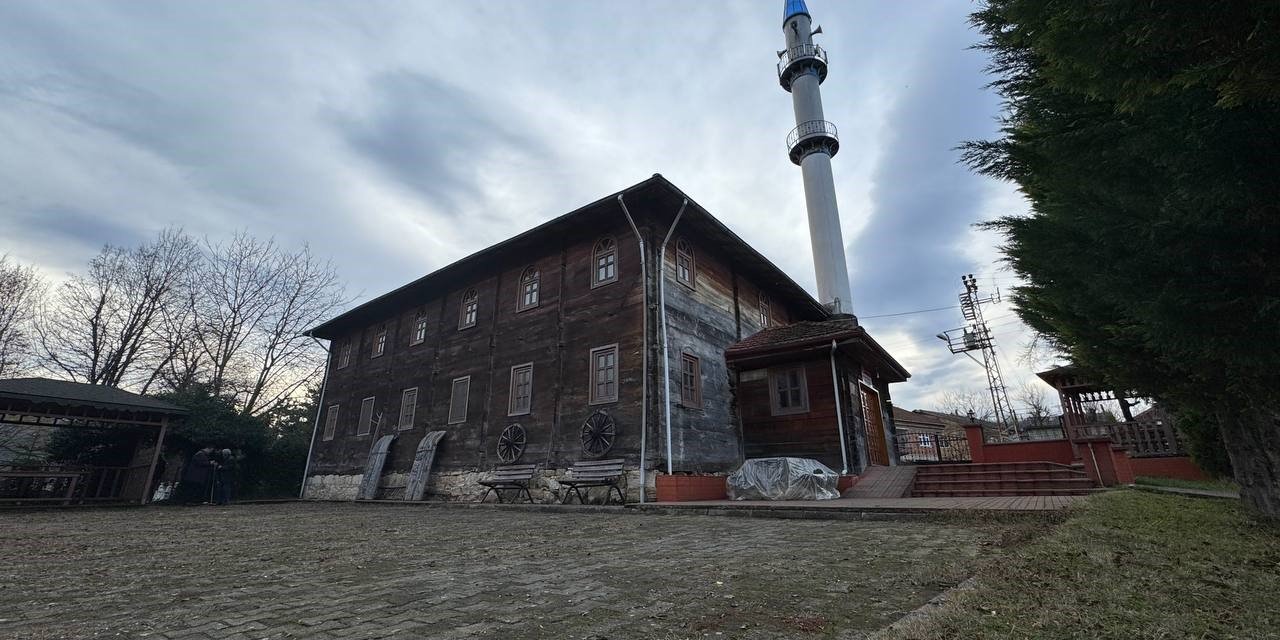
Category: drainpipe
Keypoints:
(324, 383)
(835, 384)
(662, 309)
(644, 351)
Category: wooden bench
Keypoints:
(515, 477)
(593, 473)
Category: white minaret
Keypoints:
(801, 68)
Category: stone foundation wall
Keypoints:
(332, 487)
(464, 486)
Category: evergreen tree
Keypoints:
(1146, 137)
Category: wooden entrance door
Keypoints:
(873, 424)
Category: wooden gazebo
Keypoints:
(35, 403)
(1079, 391)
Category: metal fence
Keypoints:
(923, 448)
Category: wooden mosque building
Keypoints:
(638, 327)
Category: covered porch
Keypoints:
(816, 389)
(32, 410)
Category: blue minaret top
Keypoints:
(794, 8)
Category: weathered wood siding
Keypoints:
(813, 434)
(556, 337)
(571, 319)
(721, 308)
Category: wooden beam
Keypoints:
(155, 458)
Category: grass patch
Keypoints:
(1125, 564)
(1206, 485)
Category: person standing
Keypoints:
(197, 477)
(225, 476)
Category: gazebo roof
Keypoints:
(78, 395)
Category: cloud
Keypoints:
(432, 137)
(369, 130)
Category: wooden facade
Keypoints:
(427, 346)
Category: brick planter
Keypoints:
(681, 488)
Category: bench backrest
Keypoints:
(596, 469)
(514, 472)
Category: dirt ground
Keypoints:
(310, 570)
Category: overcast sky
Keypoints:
(397, 137)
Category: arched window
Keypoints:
(686, 270)
(528, 289)
(766, 318)
(467, 312)
(604, 260)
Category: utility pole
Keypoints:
(975, 335)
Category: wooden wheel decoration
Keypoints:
(511, 443)
(598, 433)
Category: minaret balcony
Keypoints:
(810, 137)
(800, 59)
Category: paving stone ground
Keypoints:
(306, 570)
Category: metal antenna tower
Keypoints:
(976, 336)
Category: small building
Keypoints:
(638, 327)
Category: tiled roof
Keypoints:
(796, 334)
(809, 333)
(78, 393)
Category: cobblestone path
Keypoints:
(300, 570)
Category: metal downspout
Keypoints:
(324, 383)
(835, 384)
(662, 317)
(644, 351)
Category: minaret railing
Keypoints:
(799, 58)
(812, 135)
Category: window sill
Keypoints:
(528, 308)
(603, 283)
(468, 326)
(518, 414)
(788, 412)
(602, 401)
(453, 422)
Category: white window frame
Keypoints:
(344, 355)
(775, 375)
(513, 409)
(684, 250)
(466, 397)
(766, 313)
(530, 276)
(597, 252)
(595, 398)
(419, 330)
(330, 422)
(469, 297)
(379, 344)
(411, 392)
(365, 425)
(696, 401)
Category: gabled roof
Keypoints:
(79, 394)
(806, 333)
(664, 197)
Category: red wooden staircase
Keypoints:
(1001, 479)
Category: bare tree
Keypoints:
(107, 327)
(21, 290)
(967, 402)
(254, 302)
(1037, 409)
(306, 291)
